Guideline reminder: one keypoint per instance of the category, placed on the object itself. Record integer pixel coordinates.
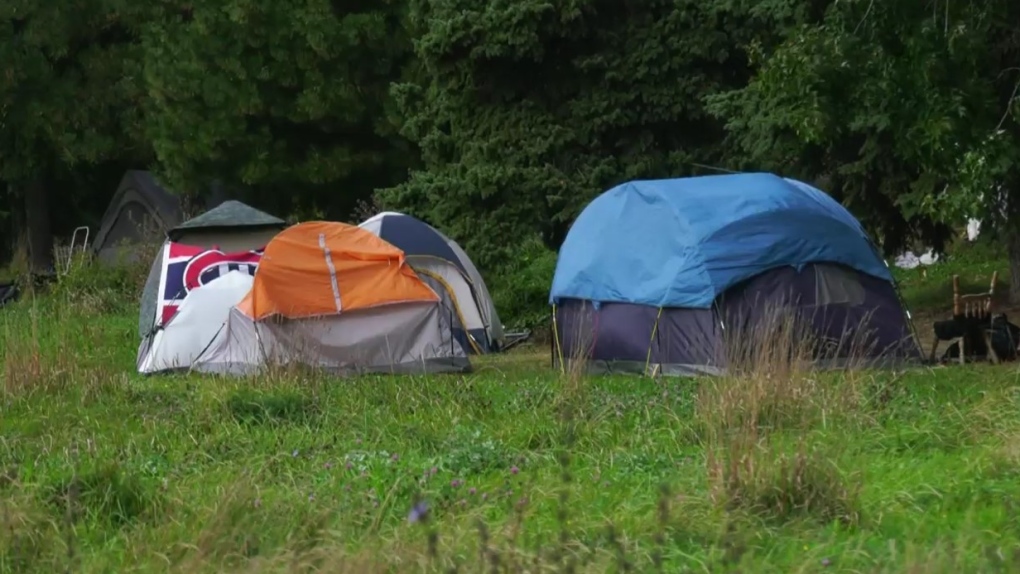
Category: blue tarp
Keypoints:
(682, 242)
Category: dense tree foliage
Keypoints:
(69, 101)
(526, 110)
(905, 109)
(285, 97)
(498, 121)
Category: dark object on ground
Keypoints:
(1004, 336)
(9, 293)
(511, 340)
(44, 279)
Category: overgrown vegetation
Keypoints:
(514, 468)
(497, 123)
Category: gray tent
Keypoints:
(231, 226)
(141, 211)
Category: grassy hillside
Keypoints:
(519, 467)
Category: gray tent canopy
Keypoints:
(140, 208)
(228, 216)
(230, 226)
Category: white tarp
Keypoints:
(197, 321)
(910, 260)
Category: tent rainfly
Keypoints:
(660, 276)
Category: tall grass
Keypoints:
(296, 471)
(771, 390)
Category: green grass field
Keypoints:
(521, 469)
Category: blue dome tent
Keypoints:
(653, 273)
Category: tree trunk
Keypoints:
(1013, 251)
(40, 233)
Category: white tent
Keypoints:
(230, 227)
(200, 317)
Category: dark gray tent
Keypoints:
(230, 226)
(140, 212)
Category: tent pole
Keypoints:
(556, 341)
(655, 331)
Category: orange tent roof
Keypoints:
(325, 268)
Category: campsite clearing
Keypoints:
(104, 470)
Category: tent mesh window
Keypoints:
(836, 285)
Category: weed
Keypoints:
(253, 408)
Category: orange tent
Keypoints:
(325, 268)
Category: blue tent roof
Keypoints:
(682, 242)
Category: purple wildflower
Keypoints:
(455, 483)
(419, 512)
(514, 470)
(394, 457)
(472, 491)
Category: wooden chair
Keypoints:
(972, 315)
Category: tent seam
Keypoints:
(332, 271)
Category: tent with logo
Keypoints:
(661, 276)
(336, 297)
(441, 263)
(141, 210)
(196, 321)
(224, 238)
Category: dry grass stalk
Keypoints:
(772, 386)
